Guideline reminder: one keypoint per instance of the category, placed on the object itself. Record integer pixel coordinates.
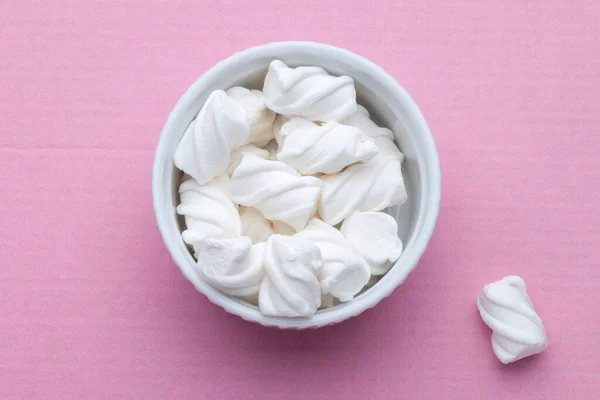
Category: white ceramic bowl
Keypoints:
(389, 104)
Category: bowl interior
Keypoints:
(388, 108)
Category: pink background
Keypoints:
(91, 306)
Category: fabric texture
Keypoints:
(91, 305)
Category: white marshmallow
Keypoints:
(328, 148)
(208, 212)
(290, 287)
(232, 266)
(375, 235)
(517, 330)
(344, 271)
(277, 190)
(309, 92)
(370, 186)
(219, 128)
(259, 117)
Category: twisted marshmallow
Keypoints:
(290, 287)
(344, 272)
(370, 186)
(374, 235)
(311, 148)
(517, 330)
(232, 266)
(219, 128)
(207, 212)
(277, 190)
(309, 92)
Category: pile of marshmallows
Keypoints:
(283, 192)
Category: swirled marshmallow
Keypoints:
(208, 212)
(344, 271)
(277, 190)
(254, 225)
(232, 266)
(370, 186)
(517, 330)
(259, 117)
(219, 128)
(290, 287)
(374, 234)
(328, 148)
(309, 92)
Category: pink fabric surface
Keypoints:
(91, 305)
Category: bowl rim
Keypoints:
(385, 286)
